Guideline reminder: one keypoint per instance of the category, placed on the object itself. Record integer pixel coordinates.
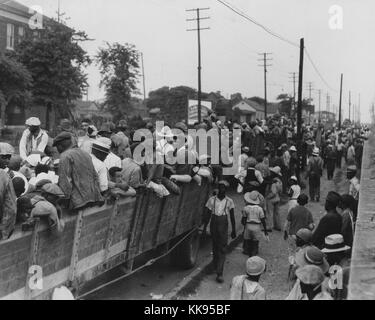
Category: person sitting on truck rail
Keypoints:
(77, 176)
(119, 188)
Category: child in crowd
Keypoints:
(247, 287)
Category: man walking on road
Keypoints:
(218, 209)
(314, 173)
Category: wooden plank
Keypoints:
(74, 258)
(111, 227)
(32, 258)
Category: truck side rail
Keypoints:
(95, 241)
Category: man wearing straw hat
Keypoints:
(253, 218)
(338, 254)
(217, 210)
(247, 287)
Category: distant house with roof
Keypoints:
(90, 109)
(248, 110)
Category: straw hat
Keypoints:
(276, 170)
(100, 146)
(255, 266)
(312, 256)
(252, 197)
(335, 243)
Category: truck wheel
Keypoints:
(185, 255)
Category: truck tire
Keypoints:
(185, 255)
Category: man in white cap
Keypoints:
(111, 161)
(99, 153)
(314, 173)
(34, 139)
(247, 287)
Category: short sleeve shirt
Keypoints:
(253, 213)
(220, 207)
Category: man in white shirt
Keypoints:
(34, 139)
(112, 161)
(99, 153)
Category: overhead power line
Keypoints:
(244, 15)
(269, 31)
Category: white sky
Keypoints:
(229, 49)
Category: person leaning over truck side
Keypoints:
(77, 176)
(8, 205)
(217, 210)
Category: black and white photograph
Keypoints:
(187, 153)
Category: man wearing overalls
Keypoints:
(218, 209)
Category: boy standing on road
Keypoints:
(218, 209)
(253, 217)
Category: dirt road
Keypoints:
(163, 281)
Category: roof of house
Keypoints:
(245, 107)
(15, 7)
(272, 108)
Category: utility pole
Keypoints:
(342, 78)
(310, 88)
(59, 13)
(265, 65)
(198, 29)
(320, 109)
(359, 109)
(328, 103)
(294, 89)
(144, 79)
(299, 109)
(350, 105)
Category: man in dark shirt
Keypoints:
(298, 218)
(331, 223)
(77, 176)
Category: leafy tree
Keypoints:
(15, 82)
(56, 62)
(172, 102)
(258, 100)
(286, 104)
(119, 68)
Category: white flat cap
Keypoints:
(33, 122)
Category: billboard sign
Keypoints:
(193, 110)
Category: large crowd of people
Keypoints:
(80, 170)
